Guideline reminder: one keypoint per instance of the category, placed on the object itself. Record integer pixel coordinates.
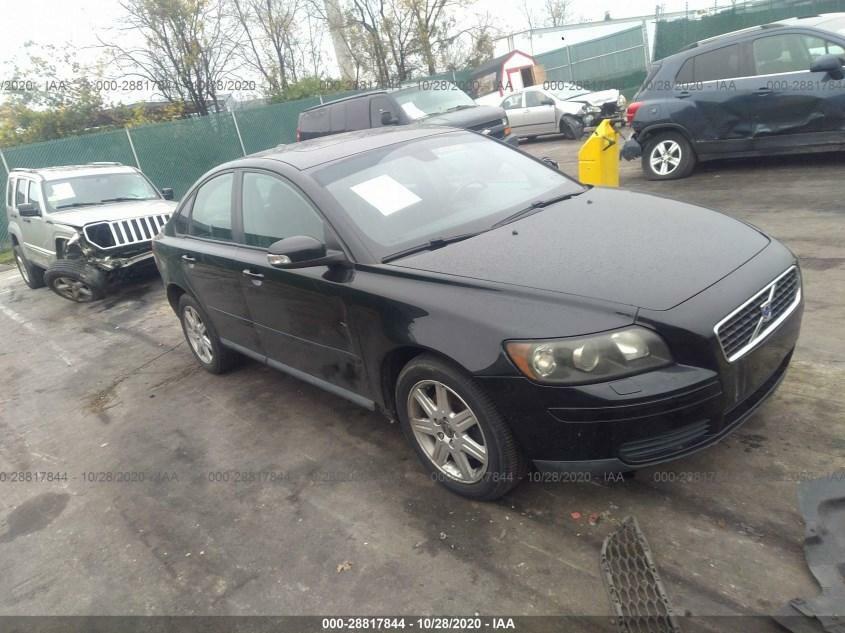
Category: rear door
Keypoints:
(539, 113)
(795, 107)
(714, 94)
(299, 315)
(210, 260)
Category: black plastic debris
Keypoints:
(822, 504)
(630, 575)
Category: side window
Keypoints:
(337, 115)
(685, 74)
(357, 115)
(782, 54)
(817, 47)
(723, 63)
(513, 102)
(534, 99)
(10, 191)
(180, 220)
(20, 191)
(34, 194)
(212, 213)
(274, 209)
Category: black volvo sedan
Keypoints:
(504, 313)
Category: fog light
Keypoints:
(543, 360)
(585, 357)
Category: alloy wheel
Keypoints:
(73, 289)
(198, 335)
(665, 157)
(448, 431)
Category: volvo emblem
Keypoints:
(766, 312)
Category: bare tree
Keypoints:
(472, 45)
(432, 27)
(188, 48)
(269, 39)
(557, 12)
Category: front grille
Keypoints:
(119, 233)
(666, 444)
(755, 319)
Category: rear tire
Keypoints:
(668, 156)
(571, 127)
(32, 275)
(76, 280)
(456, 431)
(202, 338)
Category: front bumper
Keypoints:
(649, 418)
(113, 263)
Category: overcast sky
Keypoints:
(78, 21)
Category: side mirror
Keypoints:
(550, 162)
(29, 210)
(547, 101)
(167, 193)
(830, 64)
(302, 251)
(387, 118)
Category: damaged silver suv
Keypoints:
(76, 228)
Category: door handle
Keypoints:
(249, 273)
(188, 258)
(762, 92)
(683, 94)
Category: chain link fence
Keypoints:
(172, 154)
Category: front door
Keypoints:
(211, 264)
(36, 232)
(299, 315)
(795, 107)
(539, 113)
(517, 115)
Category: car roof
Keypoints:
(811, 21)
(62, 172)
(362, 95)
(325, 149)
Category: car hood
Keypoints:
(619, 246)
(467, 117)
(113, 211)
(597, 98)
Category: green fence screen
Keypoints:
(674, 35)
(614, 61)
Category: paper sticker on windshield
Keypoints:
(413, 111)
(60, 191)
(385, 194)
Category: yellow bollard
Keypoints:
(598, 158)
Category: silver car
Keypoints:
(74, 228)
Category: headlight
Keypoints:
(594, 358)
(621, 102)
(505, 122)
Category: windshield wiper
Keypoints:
(78, 204)
(430, 245)
(123, 199)
(463, 106)
(534, 207)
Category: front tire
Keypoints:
(456, 431)
(202, 337)
(76, 280)
(571, 127)
(668, 156)
(32, 275)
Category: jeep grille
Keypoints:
(119, 233)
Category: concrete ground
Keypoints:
(343, 520)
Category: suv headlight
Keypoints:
(621, 102)
(596, 358)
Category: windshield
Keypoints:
(567, 91)
(436, 187)
(97, 189)
(419, 103)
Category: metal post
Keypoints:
(132, 147)
(238, 130)
(5, 164)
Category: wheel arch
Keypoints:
(651, 131)
(395, 361)
(174, 294)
